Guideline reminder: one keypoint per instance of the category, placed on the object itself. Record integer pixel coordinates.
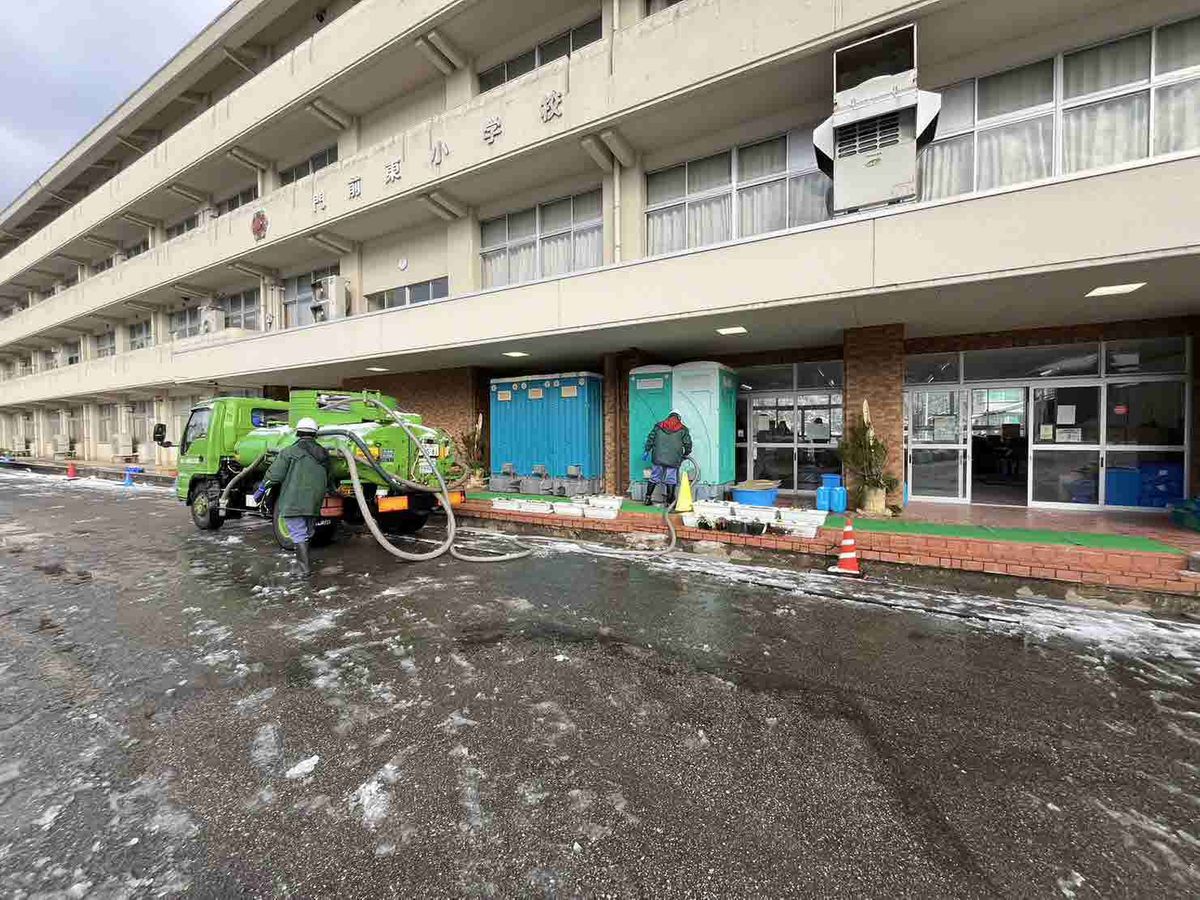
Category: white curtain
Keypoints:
(1177, 117)
(708, 221)
(665, 230)
(761, 160)
(763, 208)
(709, 174)
(556, 254)
(589, 248)
(522, 262)
(947, 168)
(1178, 46)
(1016, 153)
(495, 269)
(1104, 134)
(809, 199)
(1016, 89)
(1107, 66)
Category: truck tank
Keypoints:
(389, 445)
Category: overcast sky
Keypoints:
(66, 64)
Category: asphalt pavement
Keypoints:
(181, 714)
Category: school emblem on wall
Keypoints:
(258, 225)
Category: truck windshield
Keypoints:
(197, 428)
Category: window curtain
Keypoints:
(1017, 89)
(1023, 151)
(589, 248)
(763, 208)
(809, 200)
(665, 231)
(522, 263)
(1178, 46)
(708, 221)
(556, 254)
(1107, 66)
(1104, 134)
(495, 269)
(1177, 117)
(947, 168)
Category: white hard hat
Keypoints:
(306, 426)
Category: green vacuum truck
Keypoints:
(229, 443)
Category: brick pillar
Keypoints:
(612, 429)
(874, 361)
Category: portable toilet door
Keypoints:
(705, 394)
(649, 403)
(508, 431)
(541, 421)
(578, 428)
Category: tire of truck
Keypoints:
(323, 534)
(206, 506)
(403, 523)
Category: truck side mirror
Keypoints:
(160, 435)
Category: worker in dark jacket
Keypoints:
(667, 446)
(305, 476)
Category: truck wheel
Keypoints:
(404, 523)
(323, 534)
(206, 506)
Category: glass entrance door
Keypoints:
(1066, 461)
(999, 466)
(773, 438)
(937, 444)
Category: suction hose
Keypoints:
(442, 490)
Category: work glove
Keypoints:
(259, 494)
(646, 456)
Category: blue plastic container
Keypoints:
(756, 498)
(831, 481)
(556, 421)
(840, 499)
(824, 498)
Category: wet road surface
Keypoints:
(179, 713)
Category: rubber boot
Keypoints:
(302, 557)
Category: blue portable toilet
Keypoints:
(555, 421)
(649, 403)
(705, 394)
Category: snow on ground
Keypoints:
(61, 482)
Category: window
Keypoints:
(107, 421)
(407, 295)
(185, 323)
(228, 205)
(551, 239)
(106, 344)
(140, 336)
(241, 310)
(298, 295)
(141, 414)
(653, 6)
(557, 47)
(1156, 356)
(775, 184)
(1063, 361)
(73, 353)
(1113, 108)
(181, 228)
(49, 360)
(314, 163)
(197, 428)
(102, 266)
(25, 365)
(137, 249)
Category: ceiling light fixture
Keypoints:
(515, 354)
(1111, 290)
(375, 369)
(732, 329)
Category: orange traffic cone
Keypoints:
(847, 563)
(72, 472)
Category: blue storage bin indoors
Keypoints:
(1122, 486)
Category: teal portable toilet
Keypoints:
(705, 394)
(649, 403)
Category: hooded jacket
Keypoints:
(669, 443)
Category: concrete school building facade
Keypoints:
(421, 196)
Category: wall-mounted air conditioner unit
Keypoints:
(880, 122)
(331, 299)
(212, 319)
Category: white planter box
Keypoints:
(506, 505)
(710, 509)
(541, 507)
(600, 512)
(605, 501)
(568, 509)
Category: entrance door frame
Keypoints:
(1102, 382)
